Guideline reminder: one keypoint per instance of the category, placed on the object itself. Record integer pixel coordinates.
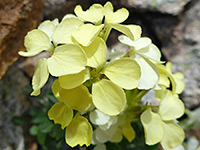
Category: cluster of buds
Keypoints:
(100, 92)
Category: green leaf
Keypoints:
(41, 137)
(52, 98)
(57, 132)
(42, 117)
(46, 127)
(20, 120)
(34, 130)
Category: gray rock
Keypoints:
(180, 39)
(173, 7)
(13, 95)
(58, 8)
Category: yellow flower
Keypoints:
(147, 55)
(111, 128)
(65, 59)
(96, 58)
(78, 129)
(160, 126)
(108, 95)
(79, 132)
(113, 20)
(87, 32)
(176, 79)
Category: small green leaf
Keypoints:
(46, 127)
(41, 137)
(40, 118)
(52, 98)
(57, 132)
(34, 130)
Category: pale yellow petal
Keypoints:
(149, 73)
(40, 76)
(79, 132)
(180, 85)
(55, 21)
(96, 53)
(169, 67)
(173, 135)
(124, 72)
(78, 98)
(61, 114)
(177, 79)
(103, 136)
(159, 93)
(47, 27)
(163, 80)
(56, 89)
(86, 33)
(171, 107)
(117, 136)
(64, 30)
(67, 16)
(67, 59)
(93, 14)
(108, 97)
(102, 147)
(153, 53)
(153, 127)
(128, 131)
(98, 118)
(35, 42)
(132, 31)
(137, 45)
(74, 80)
(114, 17)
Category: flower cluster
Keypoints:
(101, 95)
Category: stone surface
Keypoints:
(58, 8)
(17, 17)
(13, 96)
(173, 7)
(180, 38)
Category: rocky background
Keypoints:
(173, 25)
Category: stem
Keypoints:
(107, 32)
(140, 95)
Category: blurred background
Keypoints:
(173, 25)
